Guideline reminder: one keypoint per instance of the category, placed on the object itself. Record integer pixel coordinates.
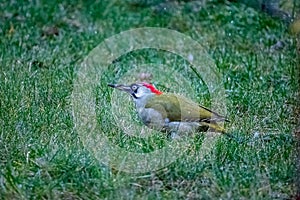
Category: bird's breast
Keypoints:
(151, 118)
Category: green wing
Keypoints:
(179, 108)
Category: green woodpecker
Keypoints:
(170, 112)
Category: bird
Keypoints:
(169, 112)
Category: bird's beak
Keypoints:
(121, 87)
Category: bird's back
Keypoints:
(178, 108)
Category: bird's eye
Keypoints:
(134, 87)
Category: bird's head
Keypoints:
(137, 90)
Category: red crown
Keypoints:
(152, 88)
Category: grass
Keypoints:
(41, 152)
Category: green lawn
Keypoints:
(42, 152)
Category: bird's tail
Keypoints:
(220, 129)
(214, 127)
